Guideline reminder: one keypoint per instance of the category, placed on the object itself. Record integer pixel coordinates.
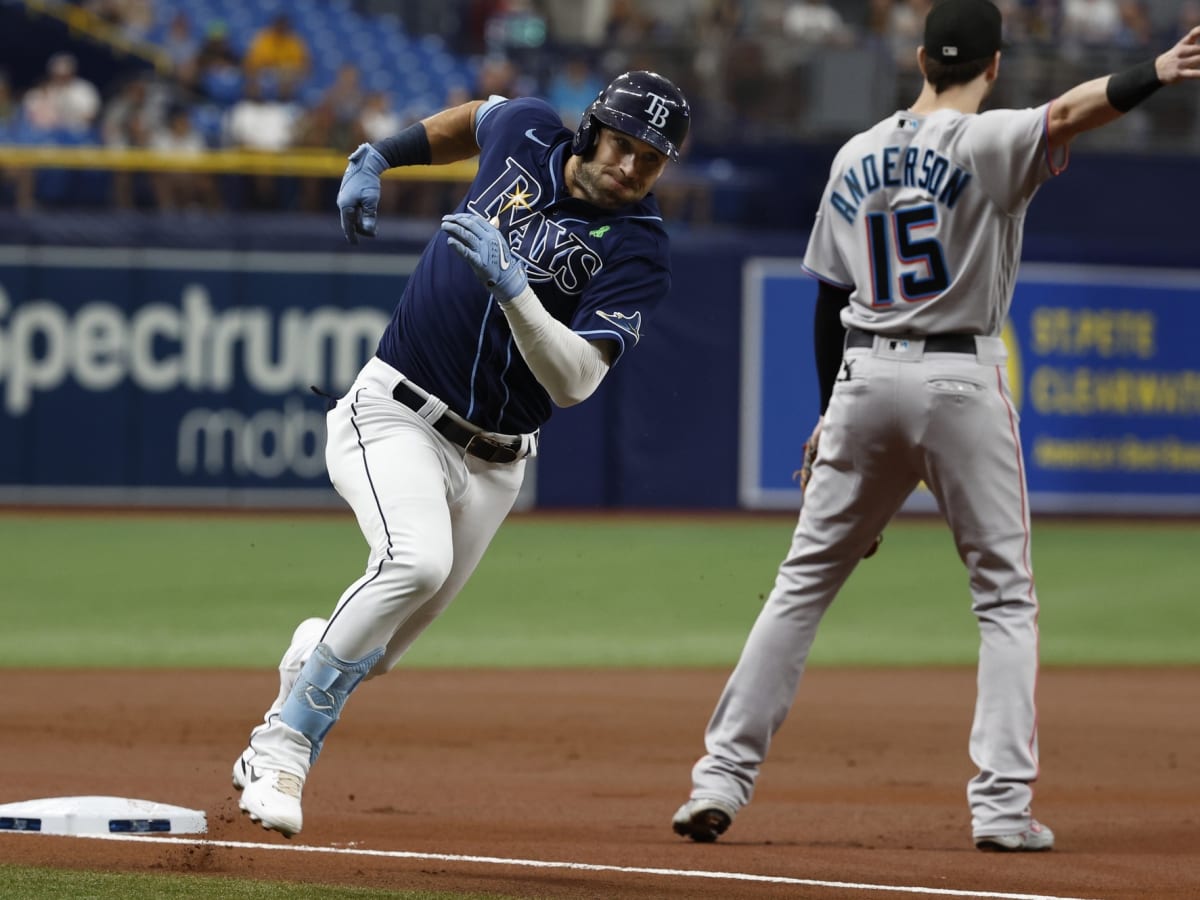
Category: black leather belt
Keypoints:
(489, 448)
(934, 343)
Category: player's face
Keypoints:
(621, 170)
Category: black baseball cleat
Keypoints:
(703, 819)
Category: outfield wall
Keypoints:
(146, 360)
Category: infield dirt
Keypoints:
(865, 783)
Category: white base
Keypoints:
(99, 815)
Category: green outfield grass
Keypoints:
(208, 590)
(55, 884)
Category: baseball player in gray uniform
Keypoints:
(916, 245)
(549, 271)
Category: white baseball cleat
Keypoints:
(272, 798)
(1036, 837)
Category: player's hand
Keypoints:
(484, 248)
(804, 473)
(358, 197)
(1181, 61)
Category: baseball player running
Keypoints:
(916, 245)
(549, 270)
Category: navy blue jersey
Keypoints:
(599, 272)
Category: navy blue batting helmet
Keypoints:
(640, 104)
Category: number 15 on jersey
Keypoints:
(904, 262)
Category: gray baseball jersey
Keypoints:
(922, 221)
(924, 217)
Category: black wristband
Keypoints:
(408, 148)
(1129, 88)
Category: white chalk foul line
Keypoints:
(581, 867)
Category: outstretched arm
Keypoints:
(1095, 103)
(444, 137)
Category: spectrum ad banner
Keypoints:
(1103, 367)
(185, 373)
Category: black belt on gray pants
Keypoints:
(489, 448)
(934, 343)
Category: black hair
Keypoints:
(947, 75)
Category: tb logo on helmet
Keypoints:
(657, 111)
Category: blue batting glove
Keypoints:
(358, 197)
(484, 248)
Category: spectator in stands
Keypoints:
(178, 133)
(572, 87)
(514, 26)
(500, 75)
(1090, 23)
(258, 122)
(278, 49)
(218, 67)
(132, 115)
(716, 33)
(1135, 31)
(1017, 17)
(677, 23)
(905, 30)
(266, 124)
(629, 35)
(128, 121)
(629, 24)
(722, 17)
(316, 128)
(577, 23)
(475, 18)
(377, 119)
(320, 127)
(815, 22)
(180, 45)
(345, 97)
(10, 109)
(64, 104)
(745, 69)
(1028, 22)
(879, 18)
(183, 189)
(20, 180)
(136, 19)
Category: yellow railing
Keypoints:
(318, 163)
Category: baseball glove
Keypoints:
(804, 474)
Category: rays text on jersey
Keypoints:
(899, 167)
(550, 251)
